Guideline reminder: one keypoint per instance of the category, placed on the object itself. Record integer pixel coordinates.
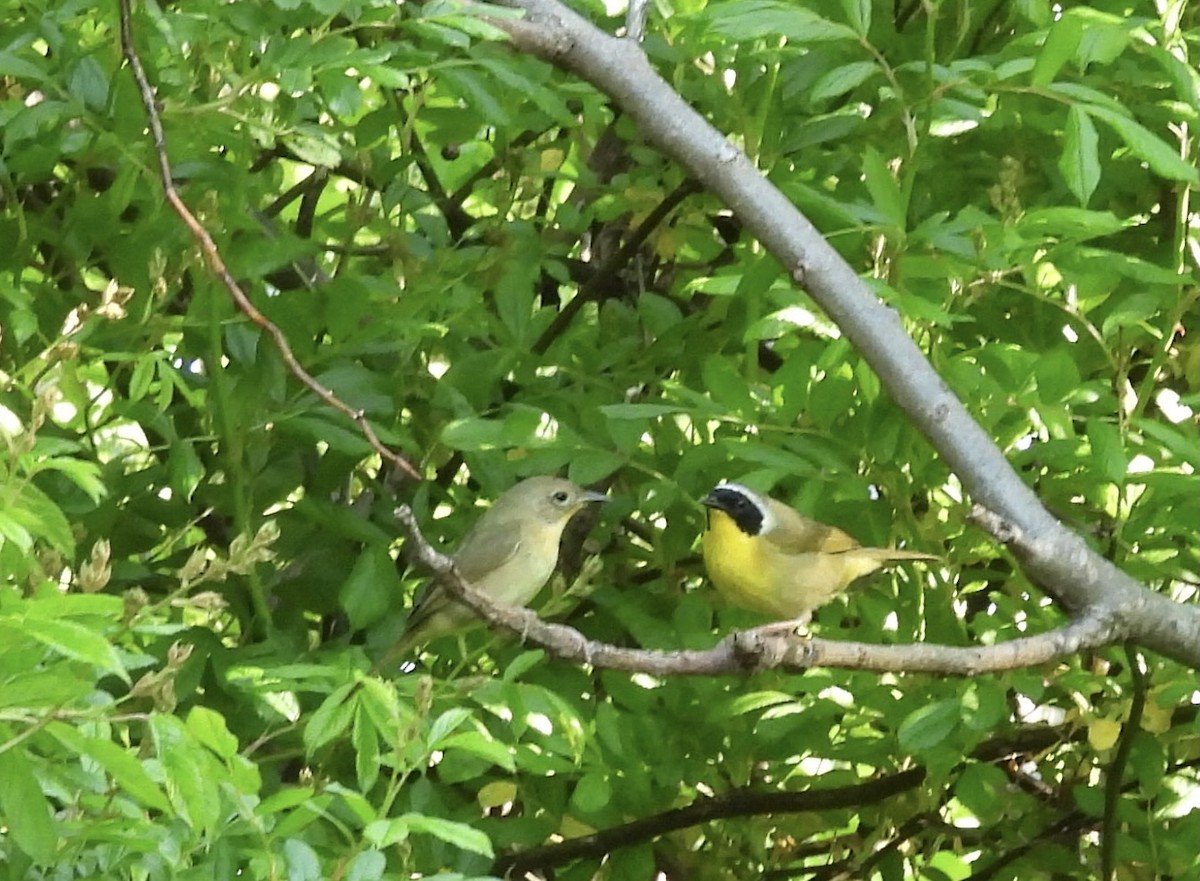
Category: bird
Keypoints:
(508, 554)
(764, 556)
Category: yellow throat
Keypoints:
(735, 565)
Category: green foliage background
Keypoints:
(199, 560)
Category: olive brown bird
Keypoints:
(508, 555)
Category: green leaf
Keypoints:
(122, 764)
(1163, 158)
(142, 376)
(476, 744)
(473, 433)
(858, 13)
(546, 100)
(189, 777)
(1130, 311)
(1076, 224)
(1080, 159)
(726, 386)
(339, 437)
(1061, 43)
(368, 865)
(1148, 761)
(314, 146)
(523, 663)
(385, 707)
(885, 190)
(1181, 444)
(639, 411)
(772, 457)
(71, 640)
(1108, 452)
(459, 834)
(925, 728)
(385, 833)
(85, 475)
(284, 800)
(446, 723)
(1105, 37)
(88, 83)
(589, 466)
(36, 512)
(24, 806)
(42, 688)
(371, 589)
(478, 93)
(754, 19)
(330, 719)
(591, 794)
(209, 728)
(1057, 376)
(513, 293)
(757, 700)
(842, 79)
(17, 67)
(301, 861)
(981, 788)
(14, 532)
(364, 736)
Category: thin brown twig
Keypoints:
(216, 264)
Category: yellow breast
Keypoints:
(754, 573)
(736, 566)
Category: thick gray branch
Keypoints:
(746, 652)
(1053, 557)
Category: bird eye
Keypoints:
(561, 496)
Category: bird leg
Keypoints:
(797, 627)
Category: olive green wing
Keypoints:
(488, 546)
(483, 550)
(797, 534)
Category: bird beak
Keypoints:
(710, 501)
(589, 496)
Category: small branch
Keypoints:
(1075, 821)
(1116, 770)
(736, 803)
(216, 264)
(750, 802)
(608, 271)
(747, 652)
(1072, 824)
(635, 20)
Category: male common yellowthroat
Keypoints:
(766, 557)
(509, 554)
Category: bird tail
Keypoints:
(892, 555)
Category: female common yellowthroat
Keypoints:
(509, 555)
(766, 557)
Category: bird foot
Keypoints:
(797, 627)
